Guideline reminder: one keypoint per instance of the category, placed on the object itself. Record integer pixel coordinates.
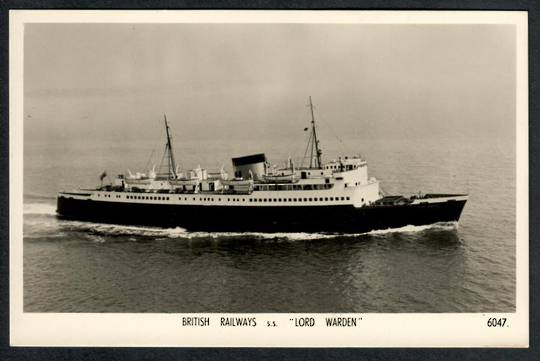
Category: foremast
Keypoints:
(169, 150)
(314, 142)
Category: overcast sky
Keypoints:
(114, 81)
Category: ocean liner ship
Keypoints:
(334, 197)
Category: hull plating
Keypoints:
(338, 218)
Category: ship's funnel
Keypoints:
(254, 163)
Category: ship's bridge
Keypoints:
(345, 164)
(352, 170)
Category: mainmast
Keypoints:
(315, 143)
(172, 163)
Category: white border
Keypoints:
(375, 330)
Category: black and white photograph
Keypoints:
(244, 168)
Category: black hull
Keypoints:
(332, 219)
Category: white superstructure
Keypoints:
(255, 182)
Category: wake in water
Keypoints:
(39, 208)
(103, 229)
(178, 232)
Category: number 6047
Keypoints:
(496, 322)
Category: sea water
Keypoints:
(72, 266)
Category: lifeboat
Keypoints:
(280, 178)
(239, 185)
